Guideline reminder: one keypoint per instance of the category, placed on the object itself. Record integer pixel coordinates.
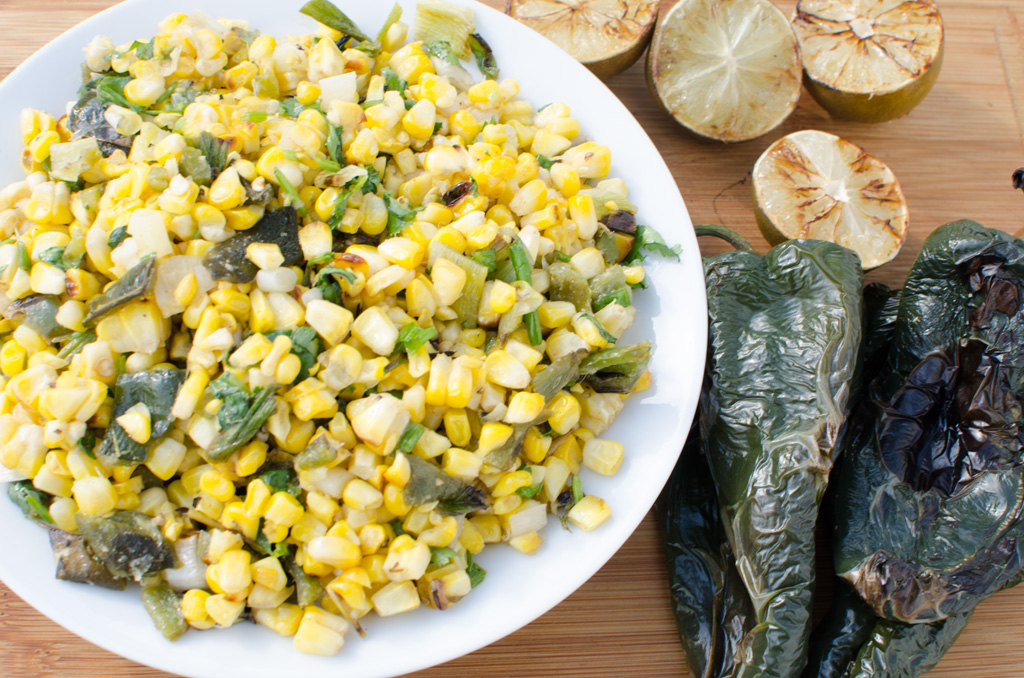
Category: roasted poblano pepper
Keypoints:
(927, 494)
(929, 508)
(785, 331)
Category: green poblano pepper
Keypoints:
(785, 331)
(929, 507)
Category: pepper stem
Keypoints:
(726, 234)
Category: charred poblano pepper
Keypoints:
(929, 508)
(156, 389)
(785, 332)
(227, 260)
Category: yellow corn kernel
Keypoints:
(213, 483)
(283, 509)
(232, 573)
(257, 499)
(335, 551)
(193, 608)
(456, 426)
(136, 423)
(565, 179)
(12, 358)
(462, 463)
(484, 92)
(320, 632)
(251, 458)
(535, 446)
(509, 482)
(489, 528)
(399, 472)
(284, 619)
(81, 285)
(603, 456)
(190, 393)
(94, 495)
(465, 124)
(371, 538)
(307, 93)
(243, 218)
(527, 543)
(394, 500)
(565, 413)
(589, 512)
(568, 450)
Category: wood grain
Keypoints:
(953, 155)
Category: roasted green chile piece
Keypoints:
(616, 370)
(227, 260)
(712, 609)
(929, 508)
(156, 389)
(127, 543)
(164, 606)
(135, 284)
(38, 312)
(76, 563)
(428, 483)
(784, 336)
(568, 284)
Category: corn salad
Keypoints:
(325, 315)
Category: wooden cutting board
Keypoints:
(953, 156)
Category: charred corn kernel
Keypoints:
(535, 446)
(283, 509)
(565, 413)
(589, 513)
(603, 456)
(284, 619)
(193, 608)
(590, 160)
(462, 463)
(136, 423)
(456, 426)
(94, 495)
(335, 551)
(320, 632)
(407, 559)
(394, 500)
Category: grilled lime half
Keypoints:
(725, 69)
(869, 60)
(814, 185)
(606, 36)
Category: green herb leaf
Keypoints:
(32, 502)
(648, 240)
(334, 150)
(326, 164)
(24, 259)
(334, 270)
(263, 545)
(289, 190)
(181, 97)
(399, 215)
(372, 182)
(442, 49)
(620, 297)
(393, 17)
(530, 491)
(488, 258)
(332, 17)
(410, 436)
(234, 395)
(485, 60)
(144, 50)
(393, 83)
(292, 107)
(254, 116)
(475, 572)
(55, 257)
(282, 480)
(412, 337)
(110, 90)
(396, 526)
(562, 256)
(305, 345)
(442, 555)
(262, 406)
(577, 490)
(544, 161)
(76, 343)
(605, 334)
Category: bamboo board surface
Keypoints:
(953, 156)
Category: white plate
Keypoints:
(518, 588)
